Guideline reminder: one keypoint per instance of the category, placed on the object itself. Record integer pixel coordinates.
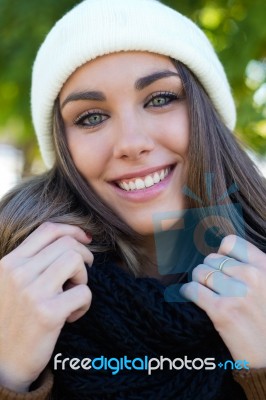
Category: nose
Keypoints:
(133, 139)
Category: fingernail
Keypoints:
(89, 236)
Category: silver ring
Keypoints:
(209, 274)
(223, 262)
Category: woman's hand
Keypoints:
(234, 298)
(35, 302)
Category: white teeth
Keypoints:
(139, 184)
(156, 177)
(132, 185)
(146, 182)
(126, 186)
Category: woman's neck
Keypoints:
(152, 268)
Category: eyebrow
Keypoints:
(140, 84)
(88, 95)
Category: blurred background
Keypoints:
(237, 29)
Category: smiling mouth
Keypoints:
(145, 181)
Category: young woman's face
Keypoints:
(127, 129)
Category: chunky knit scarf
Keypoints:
(130, 317)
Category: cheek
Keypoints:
(176, 136)
(89, 155)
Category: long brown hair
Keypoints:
(62, 195)
(215, 151)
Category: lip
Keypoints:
(146, 193)
(141, 173)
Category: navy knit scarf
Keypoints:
(129, 317)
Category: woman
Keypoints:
(133, 115)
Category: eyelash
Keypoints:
(80, 120)
(169, 97)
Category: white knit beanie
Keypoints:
(97, 27)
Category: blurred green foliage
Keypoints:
(237, 29)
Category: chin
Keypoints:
(144, 227)
(146, 231)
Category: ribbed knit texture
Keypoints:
(129, 316)
(98, 27)
(42, 392)
(253, 382)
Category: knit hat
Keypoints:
(98, 27)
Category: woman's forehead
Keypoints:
(115, 66)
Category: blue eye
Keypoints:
(90, 119)
(161, 99)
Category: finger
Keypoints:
(245, 273)
(33, 268)
(227, 265)
(219, 282)
(242, 250)
(212, 303)
(198, 294)
(46, 234)
(73, 303)
(68, 267)
(62, 245)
